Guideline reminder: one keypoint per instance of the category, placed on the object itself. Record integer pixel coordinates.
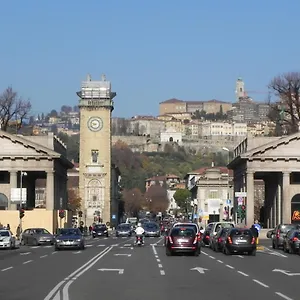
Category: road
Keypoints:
(111, 268)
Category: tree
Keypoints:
(53, 113)
(156, 199)
(66, 109)
(132, 201)
(12, 107)
(286, 109)
(74, 201)
(183, 199)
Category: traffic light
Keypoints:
(243, 212)
(61, 214)
(80, 214)
(22, 213)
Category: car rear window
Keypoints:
(286, 228)
(191, 226)
(186, 232)
(239, 232)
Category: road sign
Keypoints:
(228, 201)
(199, 269)
(240, 201)
(240, 194)
(113, 217)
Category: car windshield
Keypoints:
(239, 232)
(185, 232)
(101, 227)
(41, 231)
(191, 226)
(4, 233)
(72, 231)
(151, 226)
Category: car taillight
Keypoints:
(295, 239)
(278, 234)
(229, 240)
(170, 240)
(253, 241)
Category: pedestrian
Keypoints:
(8, 227)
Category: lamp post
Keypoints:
(21, 200)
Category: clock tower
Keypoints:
(96, 105)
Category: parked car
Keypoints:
(69, 238)
(7, 240)
(37, 236)
(291, 242)
(239, 240)
(100, 230)
(182, 240)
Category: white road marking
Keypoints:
(211, 257)
(158, 260)
(240, 256)
(54, 252)
(204, 252)
(103, 246)
(26, 253)
(162, 272)
(49, 246)
(27, 262)
(127, 245)
(230, 267)
(89, 245)
(44, 256)
(283, 296)
(220, 261)
(160, 266)
(34, 247)
(77, 252)
(6, 269)
(260, 283)
(242, 273)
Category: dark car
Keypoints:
(291, 242)
(100, 230)
(124, 230)
(279, 233)
(218, 240)
(151, 229)
(240, 240)
(182, 240)
(69, 238)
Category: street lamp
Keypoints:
(21, 200)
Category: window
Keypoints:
(213, 194)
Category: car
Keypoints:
(214, 227)
(219, 238)
(182, 240)
(191, 225)
(239, 240)
(291, 242)
(124, 230)
(7, 240)
(69, 238)
(37, 236)
(151, 229)
(278, 234)
(100, 230)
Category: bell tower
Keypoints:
(240, 89)
(96, 105)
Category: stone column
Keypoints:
(13, 184)
(50, 190)
(250, 199)
(279, 197)
(286, 201)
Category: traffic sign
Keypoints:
(240, 201)
(228, 201)
(113, 217)
(240, 194)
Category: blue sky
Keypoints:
(150, 50)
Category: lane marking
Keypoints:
(162, 272)
(160, 266)
(158, 260)
(54, 252)
(242, 273)
(6, 269)
(89, 245)
(229, 266)
(204, 252)
(240, 256)
(220, 261)
(27, 262)
(58, 286)
(260, 283)
(211, 257)
(127, 245)
(283, 296)
(77, 252)
(48, 246)
(44, 256)
(25, 253)
(35, 247)
(103, 246)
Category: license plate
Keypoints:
(242, 241)
(182, 241)
(68, 243)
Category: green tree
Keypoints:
(183, 199)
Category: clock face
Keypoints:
(95, 124)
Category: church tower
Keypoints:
(240, 89)
(96, 105)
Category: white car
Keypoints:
(7, 240)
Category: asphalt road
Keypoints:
(113, 269)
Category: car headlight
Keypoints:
(105, 231)
(93, 231)
(79, 240)
(58, 241)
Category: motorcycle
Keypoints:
(139, 240)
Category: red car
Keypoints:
(182, 240)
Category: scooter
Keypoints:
(139, 240)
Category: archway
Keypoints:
(295, 209)
(171, 139)
(3, 202)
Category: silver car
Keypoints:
(37, 236)
(69, 238)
